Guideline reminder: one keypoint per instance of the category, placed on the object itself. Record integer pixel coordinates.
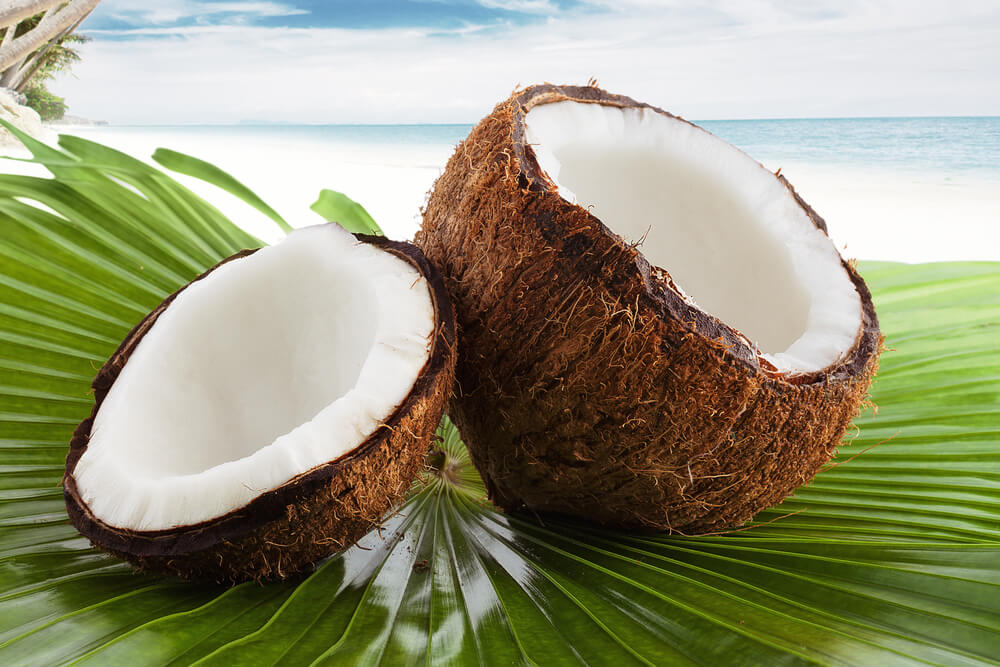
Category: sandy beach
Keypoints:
(873, 212)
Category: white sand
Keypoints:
(907, 217)
(289, 172)
(872, 213)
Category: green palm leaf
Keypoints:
(337, 207)
(892, 557)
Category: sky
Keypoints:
(450, 61)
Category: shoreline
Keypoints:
(874, 212)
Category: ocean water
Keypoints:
(951, 144)
(957, 146)
(905, 189)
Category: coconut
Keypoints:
(657, 332)
(268, 413)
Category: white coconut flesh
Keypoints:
(272, 365)
(730, 235)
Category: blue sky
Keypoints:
(191, 61)
(359, 14)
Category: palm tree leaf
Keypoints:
(337, 207)
(891, 556)
(192, 166)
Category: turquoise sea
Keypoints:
(947, 144)
(921, 144)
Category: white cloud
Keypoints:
(525, 6)
(708, 59)
(164, 12)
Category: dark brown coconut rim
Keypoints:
(660, 288)
(269, 506)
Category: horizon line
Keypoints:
(269, 123)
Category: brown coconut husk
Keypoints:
(586, 384)
(326, 509)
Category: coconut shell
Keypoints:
(326, 509)
(586, 384)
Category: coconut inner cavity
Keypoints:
(731, 235)
(272, 365)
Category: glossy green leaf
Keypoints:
(337, 207)
(192, 166)
(891, 556)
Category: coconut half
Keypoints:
(657, 331)
(268, 413)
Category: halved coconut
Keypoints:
(268, 413)
(657, 331)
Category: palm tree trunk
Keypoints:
(15, 11)
(52, 24)
(28, 68)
